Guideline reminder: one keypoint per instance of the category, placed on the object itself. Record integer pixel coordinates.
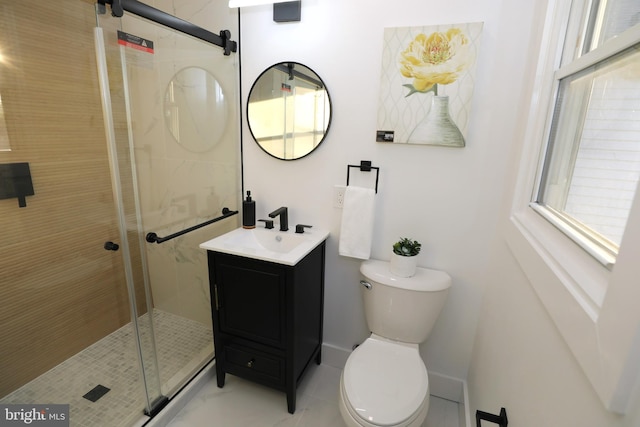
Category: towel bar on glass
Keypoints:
(154, 238)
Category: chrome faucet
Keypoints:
(284, 217)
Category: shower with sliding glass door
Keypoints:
(129, 133)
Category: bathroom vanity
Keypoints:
(267, 315)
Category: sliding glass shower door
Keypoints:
(170, 105)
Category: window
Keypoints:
(592, 162)
(578, 183)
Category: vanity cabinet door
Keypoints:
(250, 297)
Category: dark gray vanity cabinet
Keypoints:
(267, 318)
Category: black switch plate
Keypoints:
(15, 182)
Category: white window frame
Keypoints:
(596, 309)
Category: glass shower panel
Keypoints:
(176, 97)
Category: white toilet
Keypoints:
(384, 382)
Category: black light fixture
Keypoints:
(283, 10)
(287, 12)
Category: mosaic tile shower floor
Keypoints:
(182, 346)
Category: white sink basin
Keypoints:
(282, 247)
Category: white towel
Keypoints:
(356, 231)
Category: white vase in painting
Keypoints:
(437, 128)
(403, 266)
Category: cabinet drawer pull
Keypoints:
(250, 363)
(215, 291)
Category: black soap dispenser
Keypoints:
(248, 212)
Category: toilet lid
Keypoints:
(385, 382)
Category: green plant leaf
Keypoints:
(407, 247)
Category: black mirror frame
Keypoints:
(328, 97)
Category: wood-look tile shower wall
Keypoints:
(60, 291)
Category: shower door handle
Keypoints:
(110, 246)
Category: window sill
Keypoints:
(606, 258)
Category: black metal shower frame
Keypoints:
(148, 12)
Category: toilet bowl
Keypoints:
(384, 381)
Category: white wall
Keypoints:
(520, 360)
(446, 198)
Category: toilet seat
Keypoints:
(385, 383)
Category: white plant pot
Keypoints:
(403, 266)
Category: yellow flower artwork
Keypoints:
(439, 58)
(427, 79)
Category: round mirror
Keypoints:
(196, 109)
(289, 110)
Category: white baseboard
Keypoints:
(453, 389)
(446, 387)
(334, 356)
(465, 412)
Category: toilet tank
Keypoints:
(399, 308)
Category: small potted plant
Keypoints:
(403, 259)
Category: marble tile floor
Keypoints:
(182, 346)
(241, 403)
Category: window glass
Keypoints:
(611, 18)
(593, 162)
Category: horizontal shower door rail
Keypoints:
(151, 13)
(154, 238)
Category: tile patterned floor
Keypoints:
(241, 403)
(182, 346)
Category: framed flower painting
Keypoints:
(426, 84)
